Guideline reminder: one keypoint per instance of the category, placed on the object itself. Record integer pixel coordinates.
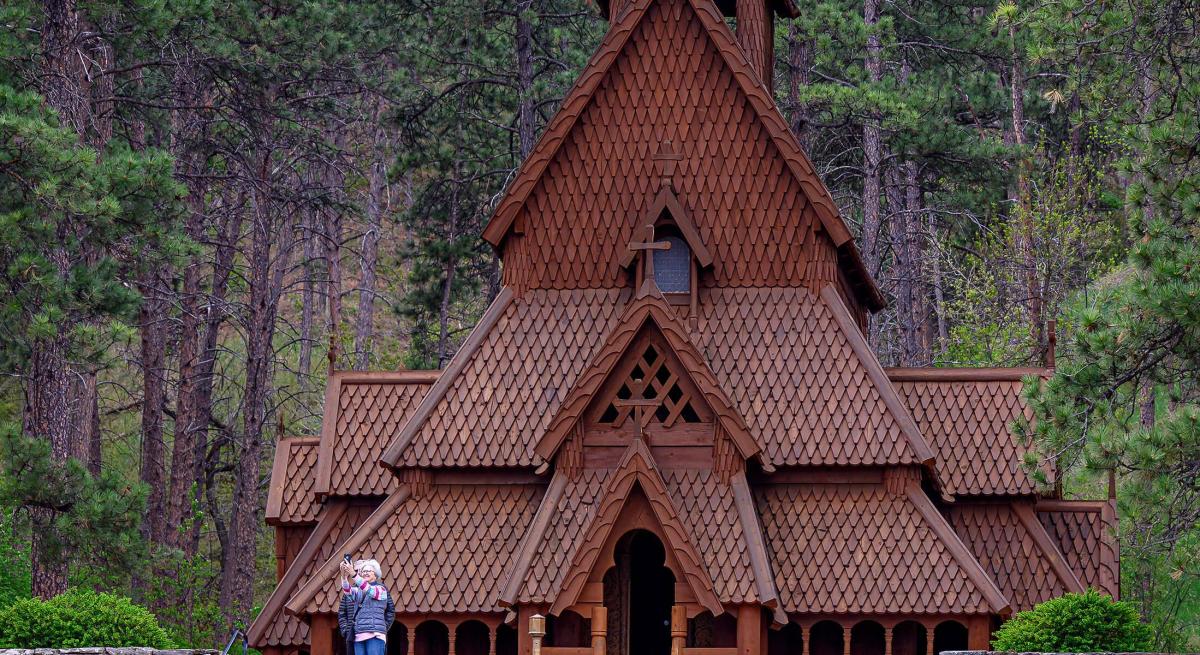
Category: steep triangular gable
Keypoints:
(637, 467)
(759, 101)
(653, 309)
(879, 378)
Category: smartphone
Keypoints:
(347, 558)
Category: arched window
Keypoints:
(673, 267)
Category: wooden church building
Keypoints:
(668, 434)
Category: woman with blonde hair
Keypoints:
(369, 607)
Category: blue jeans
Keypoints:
(374, 646)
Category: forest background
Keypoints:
(205, 205)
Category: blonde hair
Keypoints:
(373, 566)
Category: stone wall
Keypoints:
(237, 650)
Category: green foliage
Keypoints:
(63, 209)
(1075, 623)
(94, 519)
(77, 619)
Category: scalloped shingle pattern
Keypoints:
(791, 372)
(298, 502)
(840, 549)
(778, 353)
(369, 416)
(669, 82)
(499, 406)
(968, 424)
(448, 550)
(575, 511)
(1081, 536)
(289, 630)
(706, 507)
(1007, 551)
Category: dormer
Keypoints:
(755, 21)
(678, 253)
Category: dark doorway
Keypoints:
(639, 592)
(949, 635)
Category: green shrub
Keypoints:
(1075, 623)
(79, 618)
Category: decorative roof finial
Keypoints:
(643, 249)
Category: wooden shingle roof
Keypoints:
(363, 414)
(792, 363)
(850, 548)
(967, 416)
(1013, 547)
(444, 551)
(291, 496)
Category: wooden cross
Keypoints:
(639, 406)
(643, 249)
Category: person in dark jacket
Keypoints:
(366, 610)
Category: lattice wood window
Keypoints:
(654, 376)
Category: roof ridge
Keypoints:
(295, 604)
(963, 373)
(640, 311)
(275, 602)
(395, 451)
(879, 379)
(958, 550)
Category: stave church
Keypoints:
(668, 433)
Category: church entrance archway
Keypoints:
(639, 592)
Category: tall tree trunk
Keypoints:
(153, 320)
(800, 61)
(307, 292)
(1026, 250)
(49, 392)
(872, 158)
(265, 282)
(377, 196)
(333, 255)
(525, 100)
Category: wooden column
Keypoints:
(324, 627)
(979, 632)
(412, 638)
(805, 630)
(846, 633)
(887, 640)
(599, 630)
(678, 629)
(492, 639)
(524, 641)
(749, 630)
(451, 636)
(929, 630)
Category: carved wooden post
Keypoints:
(412, 638)
(805, 629)
(678, 629)
(599, 630)
(451, 636)
(491, 639)
(537, 630)
(887, 640)
(929, 631)
(846, 640)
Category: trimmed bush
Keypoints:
(1075, 623)
(80, 618)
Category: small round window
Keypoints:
(673, 267)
